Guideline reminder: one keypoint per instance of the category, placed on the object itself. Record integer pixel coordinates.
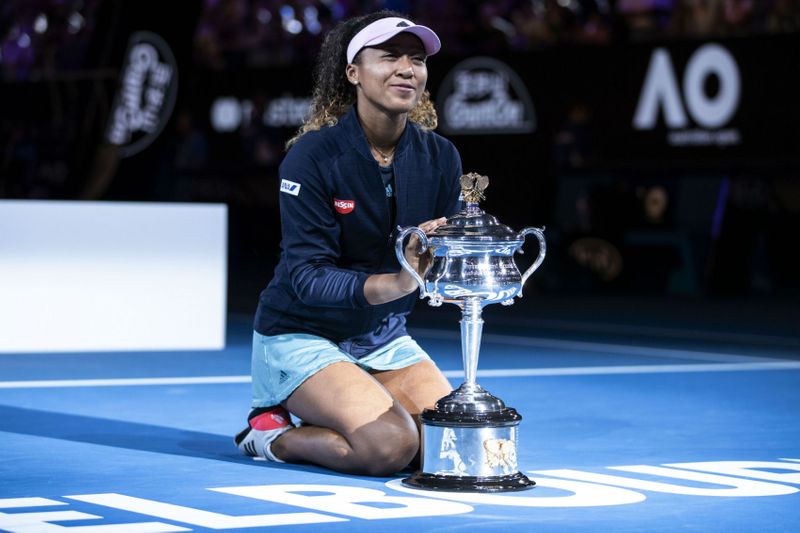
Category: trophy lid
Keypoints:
(471, 405)
(472, 223)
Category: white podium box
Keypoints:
(109, 276)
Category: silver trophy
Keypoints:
(469, 439)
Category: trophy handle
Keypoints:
(399, 250)
(539, 232)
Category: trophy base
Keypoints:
(513, 482)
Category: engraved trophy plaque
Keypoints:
(469, 439)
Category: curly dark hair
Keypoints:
(333, 94)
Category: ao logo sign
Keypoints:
(662, 93)
(302, 504)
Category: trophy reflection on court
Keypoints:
(469, 439)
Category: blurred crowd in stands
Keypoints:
(260, 32)
(44, 35)
(54, 34)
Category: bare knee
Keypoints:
(386, 449)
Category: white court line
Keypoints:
(660, 331)
(123, 382)
(628, 369)
(585, 346)
(499, 373)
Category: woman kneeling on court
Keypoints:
(330, 344)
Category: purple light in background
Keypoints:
(719, 210)
(638, 6)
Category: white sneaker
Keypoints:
(264, 425)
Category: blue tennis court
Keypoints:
(621, 433)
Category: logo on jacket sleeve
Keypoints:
(344, 206)
(290, 187)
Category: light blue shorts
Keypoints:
(281, 363)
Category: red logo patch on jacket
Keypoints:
(344, 206)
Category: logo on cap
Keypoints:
(402, 24)
(344, 206)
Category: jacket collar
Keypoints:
(358, 138)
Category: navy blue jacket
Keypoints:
(336, 231)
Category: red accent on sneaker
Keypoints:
(277, 418)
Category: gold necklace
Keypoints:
(385, 157)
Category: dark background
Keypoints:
(638, 231)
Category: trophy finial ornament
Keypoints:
(472, 187)
(470, 436)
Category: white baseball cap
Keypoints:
(384, 29)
